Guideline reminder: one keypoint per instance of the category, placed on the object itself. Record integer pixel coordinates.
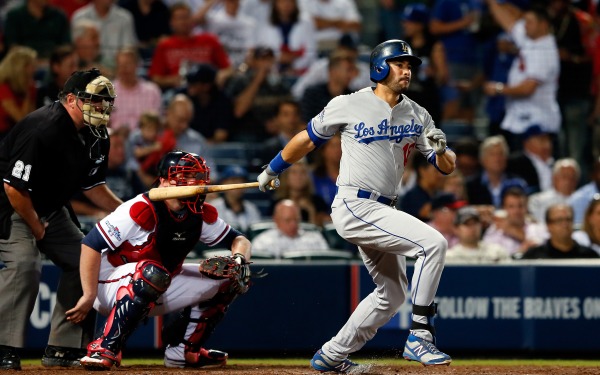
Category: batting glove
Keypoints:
(437, 140)
(264, 179)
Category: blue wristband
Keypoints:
(278, 165)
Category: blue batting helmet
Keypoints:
(388, 50)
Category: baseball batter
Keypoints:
(132, 267)
(379, 128)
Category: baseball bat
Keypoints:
(178, 192)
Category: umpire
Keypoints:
(48, 156)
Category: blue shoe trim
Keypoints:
(321, 362)
(425, 347)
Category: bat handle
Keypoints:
(274, 184)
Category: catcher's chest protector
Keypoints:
(175, 239)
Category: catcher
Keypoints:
(132, 267)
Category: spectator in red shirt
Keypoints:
(173, 54)
(17, 86)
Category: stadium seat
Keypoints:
(257, 228)
(334, 240)
(236, 153)
(87, 223)
(456, 130)
(215, 252)
(263, 201)
(317, 255)
(226, 252)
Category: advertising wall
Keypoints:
(299, 306)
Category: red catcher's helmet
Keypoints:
(182, 168)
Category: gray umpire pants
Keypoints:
(19, 281)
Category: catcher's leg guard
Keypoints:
(192, 333)
(133, 304)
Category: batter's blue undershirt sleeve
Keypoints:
(318, 141)
(95, 240)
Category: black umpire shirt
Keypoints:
(45, 155)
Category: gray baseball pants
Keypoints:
(19, 281)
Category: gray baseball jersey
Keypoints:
(376, 139)
(376, 143)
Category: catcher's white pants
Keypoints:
(385, 237)
(188, 288)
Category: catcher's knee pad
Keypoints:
(429, 312)
(149, 281)
(133, 303)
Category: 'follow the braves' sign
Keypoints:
(523, 306)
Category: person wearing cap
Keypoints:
(48, 156)
(534, 163)
(380, 128)
(443, 213)
(213, 110)
(232, 207)
(470, 249)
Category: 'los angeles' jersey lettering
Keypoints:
(384, 131)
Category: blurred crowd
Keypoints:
(515, 85)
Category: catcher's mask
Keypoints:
(182, 168)
(97, 95)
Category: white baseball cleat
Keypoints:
(425, 352)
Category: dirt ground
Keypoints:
(305, 370)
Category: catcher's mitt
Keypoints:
(234, 268)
